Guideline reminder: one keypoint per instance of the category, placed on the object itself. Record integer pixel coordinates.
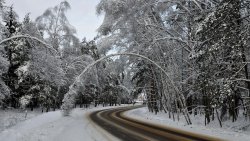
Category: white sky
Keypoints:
(82, 14)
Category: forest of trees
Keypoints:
(40, 59)
(202, 46)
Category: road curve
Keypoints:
(128, 129)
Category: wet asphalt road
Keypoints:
(128, 129)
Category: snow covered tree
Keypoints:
(4, 90)
(40, 73)
(54, 24)
(143, 32)
(145, 81)
(55, 27)
(15, 59)
(34, 69)
(219, 57)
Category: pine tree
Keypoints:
(13, 54)
(219, 58)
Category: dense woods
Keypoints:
(202, 44)
(191, 57)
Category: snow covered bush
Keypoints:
(24, 101)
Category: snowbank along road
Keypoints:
(128, 129)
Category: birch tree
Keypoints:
(54, 24)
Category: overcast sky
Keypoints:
(82, 14)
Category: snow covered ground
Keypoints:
(229, 131)
(53, 126)
(11, 117)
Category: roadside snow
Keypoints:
(228, 132)
(53, 126)
(11, 117)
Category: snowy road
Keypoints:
(53, 126)
(125, 128)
